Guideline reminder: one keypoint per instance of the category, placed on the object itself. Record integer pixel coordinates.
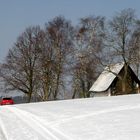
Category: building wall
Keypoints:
(100, 94)
(131, 85)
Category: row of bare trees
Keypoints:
(47, 63)
(38, 60)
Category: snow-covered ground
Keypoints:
(104, 118)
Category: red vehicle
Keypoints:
(7, 101)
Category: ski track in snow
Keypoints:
(17, 123)
(3, 133)
(115, 109)
(45, 129)
(12, 127)
(42, 129)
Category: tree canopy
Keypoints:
(61, 60)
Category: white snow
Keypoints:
(104, 118)
(106, 78)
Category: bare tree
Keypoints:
(55, 56)
(121, 28)
(19, 70)
(89, 41)
(135, 45)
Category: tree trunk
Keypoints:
(57, 85)
(73, 96)
(29, 97)
(124, 78)
(46, 92)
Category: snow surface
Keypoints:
(100, 118)
(106, 78)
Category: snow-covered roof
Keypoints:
(112, 118)
(106, 78)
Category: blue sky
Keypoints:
(16, 15)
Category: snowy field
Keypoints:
(104, 118)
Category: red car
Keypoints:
(7, 101)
